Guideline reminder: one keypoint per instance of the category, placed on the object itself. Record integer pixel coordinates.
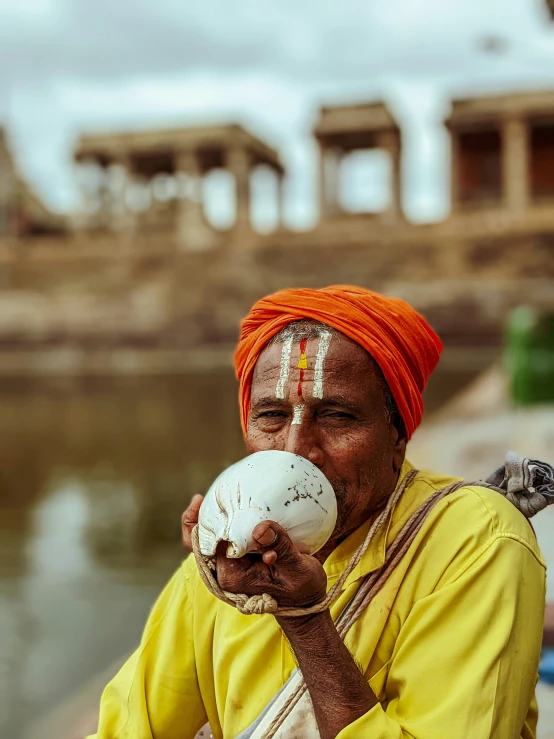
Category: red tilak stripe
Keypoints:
(300, 383)
(303, 345)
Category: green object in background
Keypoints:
(530, 356)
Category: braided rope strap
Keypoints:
(265, 603)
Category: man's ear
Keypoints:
(400, 441)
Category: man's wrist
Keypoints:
(308, 626)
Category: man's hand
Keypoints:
(189, 519)
(294, 578)
(339, 692)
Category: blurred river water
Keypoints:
(93, 478)
(94, 474)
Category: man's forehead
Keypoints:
(271, 358)
(342, 357)
(336, 344)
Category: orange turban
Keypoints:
(397, 337)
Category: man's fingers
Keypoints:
(189, 519)
(232, 574)
(190, 516)
(270, 557)
(186, 536)
(274, 543)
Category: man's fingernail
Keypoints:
(268, 538)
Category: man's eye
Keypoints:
(272, 414)
(338, 415)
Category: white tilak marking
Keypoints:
(322, 349)
(285, 368)
(298, 412)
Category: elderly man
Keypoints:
(448, 648)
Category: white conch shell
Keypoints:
(275, 486)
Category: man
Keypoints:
(449, 647)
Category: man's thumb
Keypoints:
(269, 535)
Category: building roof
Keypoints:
(354, 126)
(468, 112)
(158, 147)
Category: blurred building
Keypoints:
(143, 281)
(343, 130)
(503, 154)
(153, 180)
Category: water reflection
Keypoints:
(93, 477)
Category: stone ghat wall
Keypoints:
(105, 294)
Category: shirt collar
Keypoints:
(374, 557)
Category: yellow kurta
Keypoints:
(450, 646)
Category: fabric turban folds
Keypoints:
(397, 337)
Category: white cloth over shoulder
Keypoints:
(300, 721)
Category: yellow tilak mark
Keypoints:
(302, 362)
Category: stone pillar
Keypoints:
(454, 172)
(280, 193)
(123, 217)
(333, 180)
(192, 228)
(89, 176)
(238, 163)
(322, 181)
(187, 164)
(329, 186)
(515, 164)
(396, 155)
(390, 141)
(104, 215)
(6, 191)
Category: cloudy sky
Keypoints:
(68, 66)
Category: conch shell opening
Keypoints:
(272, 485)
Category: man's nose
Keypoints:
(302, 440)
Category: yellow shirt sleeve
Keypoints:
(465, 662)
(156, 694)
